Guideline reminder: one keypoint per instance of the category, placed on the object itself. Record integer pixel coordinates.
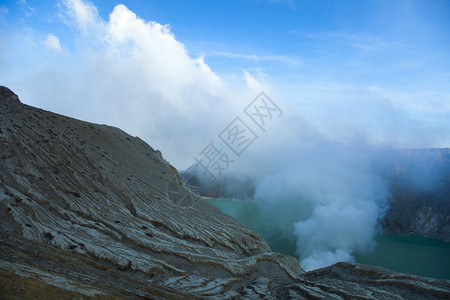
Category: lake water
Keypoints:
(408, 254)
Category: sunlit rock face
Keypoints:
(88, 210)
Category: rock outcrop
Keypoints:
(420, 186)
(418, 180)
(87, 210)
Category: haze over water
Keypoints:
(408, 254)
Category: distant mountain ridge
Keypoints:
(420, 186)
(419, 180)
(88, 211)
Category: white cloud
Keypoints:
(82, 14)
(26, 8)
(288, 60)
(363, 42)
(52, 42)
(150, 49)
(251, 81)
(133, 74)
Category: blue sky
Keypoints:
(383, 66)
(349, 77)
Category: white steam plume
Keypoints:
(331, 196)
(135, 74)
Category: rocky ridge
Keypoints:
(87, 210)
(420, 186)
(418, 181)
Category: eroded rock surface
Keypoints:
(87, 210)
(420, 185)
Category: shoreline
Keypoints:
(441, 238)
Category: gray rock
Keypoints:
(87, 210)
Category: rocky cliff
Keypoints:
(87, 211)
(419, 180)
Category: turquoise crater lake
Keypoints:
(408, 254)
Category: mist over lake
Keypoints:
(251, 149)
(409, 254)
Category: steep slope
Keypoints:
(420, 185)
(87, 210)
